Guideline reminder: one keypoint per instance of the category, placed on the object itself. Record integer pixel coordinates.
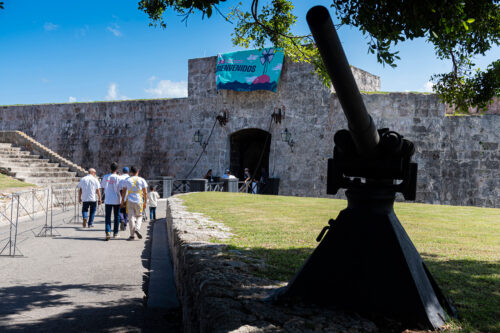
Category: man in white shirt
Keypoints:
(110, 186)
(136, 198)
(88, 195)
(123, 210)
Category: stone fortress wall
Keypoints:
(459, 157)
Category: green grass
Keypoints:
(9, 182)
(461, 245)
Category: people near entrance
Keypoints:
(153, 197)
(111, 186)
(136, 194)
(89, 195)
(228, 175)
(250, 183)
(123, 210)
(209, 176)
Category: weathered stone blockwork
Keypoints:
(458, 156)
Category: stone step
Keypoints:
(5, 145)
(30, 168)
(13, 152)
(28, 164)
(51, 174)
(49, 180)
(4, 149)
(13, 161)
(18, 156)
(63, 185)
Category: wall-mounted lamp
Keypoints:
(223, 118)
(286, 136)
(198, 138)
(278, 114)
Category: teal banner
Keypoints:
(249, 70)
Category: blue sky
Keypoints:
(65, 51)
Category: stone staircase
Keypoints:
(38, 165)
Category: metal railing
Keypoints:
(215, 187)
(19, 206)
(181, 186)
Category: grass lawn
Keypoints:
(9, 182)
(461, 245)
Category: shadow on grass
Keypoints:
(472, 285)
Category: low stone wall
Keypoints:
(219, 293)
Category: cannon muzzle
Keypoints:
(361, 126)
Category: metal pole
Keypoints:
(47, 208)
(17, 220)
(33, 204)
(11, 216)
(51, 208)
(76, 208)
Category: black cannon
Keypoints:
(366, 262)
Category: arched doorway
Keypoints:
(248, 148)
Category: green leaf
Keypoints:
(465, 25)
(471, 20)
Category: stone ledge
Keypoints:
(218, 293)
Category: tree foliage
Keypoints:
(459, 30)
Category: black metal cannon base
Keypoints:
(367, 263)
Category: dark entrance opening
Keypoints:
(247, 147)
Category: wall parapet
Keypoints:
(218, 293)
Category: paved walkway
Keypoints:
(77, 282)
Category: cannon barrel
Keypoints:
(361, 125)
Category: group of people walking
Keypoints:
(126, 196)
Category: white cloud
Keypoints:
(252, 57)
(44, 80)
(167, 88)
(113, 93)
(250, 79)
(49, 26)
(114, 29)
(428, 86)
(277, 67)
(72, 99)
(152, 78)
